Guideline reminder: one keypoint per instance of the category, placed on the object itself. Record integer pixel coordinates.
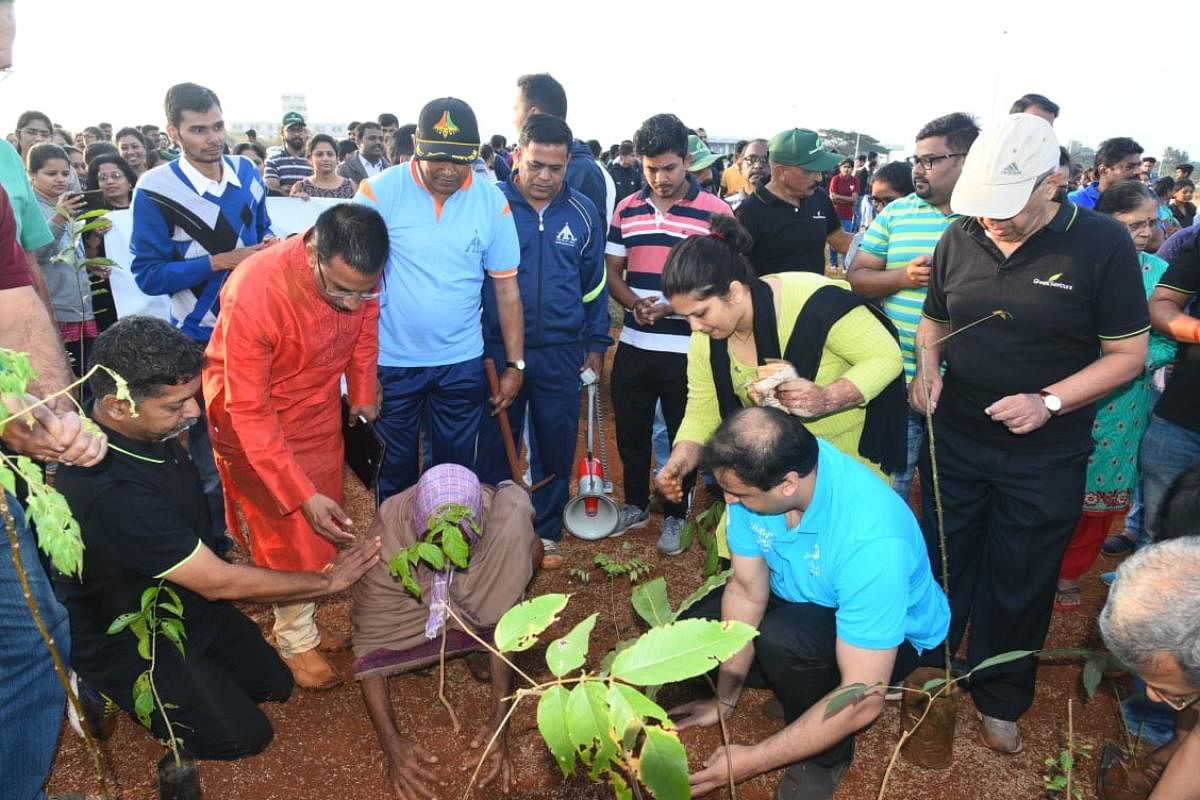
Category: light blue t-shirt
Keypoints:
(857, 549)
(429, 314)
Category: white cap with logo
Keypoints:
(1003, 165)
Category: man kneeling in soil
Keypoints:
(395, 632)
(1152, 623)
(830, 566)
(145, 521)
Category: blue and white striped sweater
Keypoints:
(176, 230)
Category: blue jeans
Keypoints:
(902, 481)
(31, 698)
(1168, 451)
(848, 227)
(660, 437)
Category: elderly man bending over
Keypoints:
(395, 632)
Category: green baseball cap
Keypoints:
(800, 147)
(292, 118)
(702, 157)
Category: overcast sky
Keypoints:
(738, 69)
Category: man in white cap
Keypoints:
(1063, 324)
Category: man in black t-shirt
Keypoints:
(1171, 444)
(789, 216)
(1057, 292)
(625, 172)
(144, 519)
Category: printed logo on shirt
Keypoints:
(566, 237)
(814, 561)
(819, 215)
(763, 537)
(475, 245)
(1053, 282)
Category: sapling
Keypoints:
(58, 533)
(80, 226)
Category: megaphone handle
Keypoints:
(603, 441)
(591, 412)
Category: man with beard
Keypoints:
(369, 159)
(195, 220)
(292, 164)
(893, 260)
(144, 523)
(650, 365)
(753, 168)
(790, 217)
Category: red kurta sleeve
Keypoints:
(251, 342)
(361, 374)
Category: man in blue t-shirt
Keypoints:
(831, 567)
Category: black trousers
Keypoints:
(795, 656)
(227, 670)
(640, 379)
(1009, 514)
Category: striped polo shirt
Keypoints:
(287, 169)
(907, 228)
(643, 235)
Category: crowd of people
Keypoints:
(791, 321)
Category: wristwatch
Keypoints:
(519, 365)
(1052, 402)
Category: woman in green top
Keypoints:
(851, 389)
(1122, 417)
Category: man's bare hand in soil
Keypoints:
(497, 765)
(408, 772)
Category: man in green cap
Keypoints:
(790, 217)
(702, 162)
(291, 165)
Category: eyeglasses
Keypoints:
(882, 201)
(755, 159)
(1176, 702)
(335, 294)
(928, 162)
(41, 133)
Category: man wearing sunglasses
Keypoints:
(1151, 623)
(294, 321)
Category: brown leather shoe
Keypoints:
(331, 640)
(311, 670)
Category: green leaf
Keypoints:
(662, 765)
(8, 479)
(91, 226)
(1001, 658)
(149, 597)
(621, 790)
(173, 630)
(680, 650)
(702, 591)
(1093, 674)
(122, 622)
(651, 603)
(589, 726)
(399, 567)
(620, 647)
(626, 703)
(1067, 760)
(568, 653)
(98, 262)
(932, 684)
(98, 212)
(143, 699)
(552, 724)
(518, 629)
(456, 548)
(844, 697)
(432, 555)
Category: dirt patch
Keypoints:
(325, 748)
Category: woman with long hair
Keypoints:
(325, 180)
(110, 183)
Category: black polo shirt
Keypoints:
(1071, 285)
(140, 517)
(1180, 402)
(788, 238)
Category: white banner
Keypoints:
(289, 215)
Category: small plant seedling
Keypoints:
(155, 616)
(444, 546)
(703, 528)
(1059, 779)
(633, 569)
(580, 574)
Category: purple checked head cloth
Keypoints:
(445, 484)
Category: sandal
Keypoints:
(1118, 544)
(1068, 599)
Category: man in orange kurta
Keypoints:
(295, 319)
